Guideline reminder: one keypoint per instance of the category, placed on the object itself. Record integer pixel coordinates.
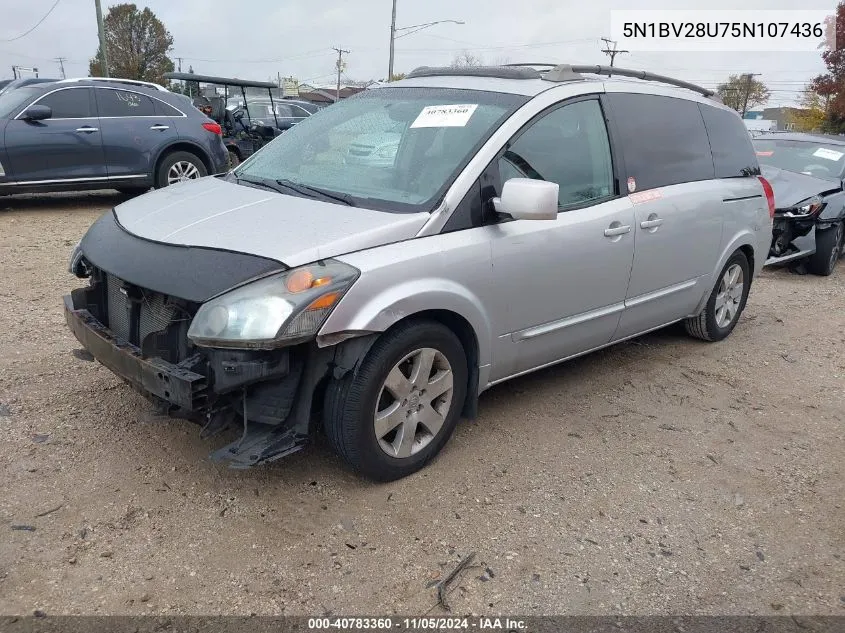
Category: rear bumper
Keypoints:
(164, 381)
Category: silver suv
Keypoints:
(528, 216)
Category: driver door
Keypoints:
(67, 147)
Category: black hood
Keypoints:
(791, 187)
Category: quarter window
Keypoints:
(72, 103)
(121, 103)
(568, 146)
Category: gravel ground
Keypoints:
(661, 476)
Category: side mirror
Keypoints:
(528, 199)
(37, 113)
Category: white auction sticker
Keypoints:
(445, 115)
(828, 154)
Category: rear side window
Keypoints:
(165, 109)
(663, 139)
(73, 103)
(120, 103)
(733, 153)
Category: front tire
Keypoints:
(726, 302)
(179, 167)
(389, 418)
(828, 250)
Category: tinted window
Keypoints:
(568, 146)
(298, 111)
(124, 103)
(733, 154)
(663, 139)
(73, 103)
(282, 109)
(168, 110)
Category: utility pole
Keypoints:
(340, 53)
(611, 52)
(749, 77)
(61, 61)
(104, 55)
(392, 42)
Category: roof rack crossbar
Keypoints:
(567, 71)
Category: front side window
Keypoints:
(72, 103)
(568, 146)
(819, 159)
(393, 149)
(123, 103)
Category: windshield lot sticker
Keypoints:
(828, 154)
(445, 115)
(769, 153)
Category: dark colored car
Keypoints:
(99, 134)
(8, 85)
(807, 173)
(288, 112)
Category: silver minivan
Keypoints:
(527, 216)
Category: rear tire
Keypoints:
(391, 417)
(726, 302)
(828, 250)
(234, 159)
(177, 167)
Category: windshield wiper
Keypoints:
(266, 184)
(309, 191)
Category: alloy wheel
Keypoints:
(729, 296)
(181, 171)
(413, 402)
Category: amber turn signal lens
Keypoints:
(326, 301)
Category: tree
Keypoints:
(811, 115)
(137, 45)
(742, 93)
(831, 85)
(466, 59)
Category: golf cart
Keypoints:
(243, 134)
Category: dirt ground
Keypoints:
(661, 476)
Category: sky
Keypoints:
(258, 39)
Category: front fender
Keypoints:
(360, 311)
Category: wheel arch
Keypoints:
(743, 242)
(182, 146)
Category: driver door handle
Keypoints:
(159, 127)
(87, 129)
(617, 230)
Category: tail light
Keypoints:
(770, 195)
(214, 128)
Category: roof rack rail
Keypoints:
(500, 72)
(117, 80)
(567, 72)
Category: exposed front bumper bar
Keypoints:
(165, 381)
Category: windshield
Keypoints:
(14, 99)
(394, 149)
(814, 158)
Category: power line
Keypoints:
(37, 24)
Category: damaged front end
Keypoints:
(240, 356)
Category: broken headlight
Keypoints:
(806, 208)
(275, 311)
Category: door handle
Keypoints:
(160, 127)
(613, 231)
(87, 129)
(651, 224)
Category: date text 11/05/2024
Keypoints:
(418, 624)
